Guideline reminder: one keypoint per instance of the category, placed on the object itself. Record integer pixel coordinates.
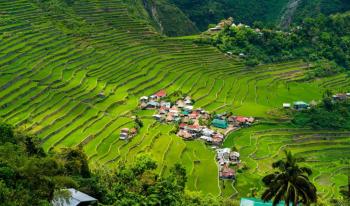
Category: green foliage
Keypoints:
(328, 115)
(325, 40)
(205, 12)
(138, 183)
(269, 13)
(6, 133)
(31, 177)
(290, 183)
(169, 19)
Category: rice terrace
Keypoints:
(74, 76)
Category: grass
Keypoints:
(51, 79)
(262, 144)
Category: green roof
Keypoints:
(257, 202)
(300, 103)
(185, 112)
(219, 123)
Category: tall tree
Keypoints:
(289, 183)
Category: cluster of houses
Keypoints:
(225, 158)
(126, 133)
(196, 123)
(193, 122)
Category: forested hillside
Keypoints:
(269, 12)
(324, 41)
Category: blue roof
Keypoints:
(152, 103)
(219, 123)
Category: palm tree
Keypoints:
(290, 183)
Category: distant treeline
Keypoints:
(324, 40)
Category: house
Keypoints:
(300, 105)
(216, 140)
(180, 103)
(188, 102)
(223, 154)
(152, 105)
(206, 138)
(193, 128)
(123, 136)
(185, 113)
(160, 94)
(133, 132)
(340, 97)
(216, 28)
(234, 157)
(101, 95)
(244, 120)
(241, 119)
(226, 172)
(144, 99)
(165, 104)
(143, 105)
(157, 117)
(194, 115)
(182, 126)
(219, 123)
(185, 120)
(170, 117)
(286, 105)
(162, 110)
(231, 120)
(75, 198)
(174, 109)
(188, 107)
(207, 132)
(184, 134)
(125, 130)
(258, 202)
(177, 119)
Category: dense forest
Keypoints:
(322, 40)
(270, 12)
(329, 114)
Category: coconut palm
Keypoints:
(290, 183)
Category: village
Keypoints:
(196, 123)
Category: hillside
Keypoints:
(73, 75)
(275, 12)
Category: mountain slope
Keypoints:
(73, 75)
(169, 19)
(270, 12)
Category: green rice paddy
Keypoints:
(80, 88)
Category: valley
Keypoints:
(75, 76)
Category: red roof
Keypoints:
(194, 126)
(241, 119)
(226, 172)
(161, 93)
(182, 125)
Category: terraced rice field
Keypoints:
(74, 84)
(326, 152)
